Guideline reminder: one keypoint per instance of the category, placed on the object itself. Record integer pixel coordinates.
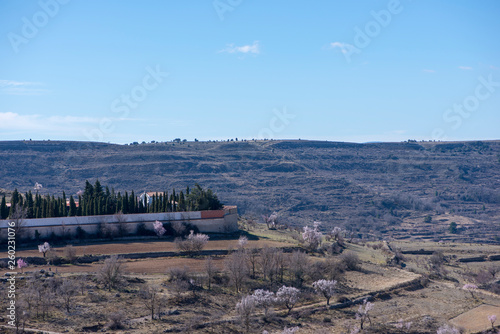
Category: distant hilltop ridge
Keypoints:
(372, 186)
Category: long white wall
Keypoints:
(220, 221)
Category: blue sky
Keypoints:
(124, 71)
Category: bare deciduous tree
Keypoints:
(237, 269)
(111, 273)
(151, 298)
(211, 270)
(70, 253)
(18, 215)
(299, 266)
(66, 292)
(267, 262)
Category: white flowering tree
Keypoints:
(326, 288)
(21, 264)
(159, 229)
(287, 296)
(363, 313)
(286, 330)
(447, 329)
(402, 324)
(270, 220)
(44, 248)
(492, 318)
(245, 309)
(194, 243)
(471, 288)
(311, 236)
(242, 241)
(264, 299)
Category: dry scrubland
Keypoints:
(425, 291)
(375, 189)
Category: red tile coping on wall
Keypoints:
(212, 214)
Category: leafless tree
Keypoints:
(70, 253)
(281, 264)
(121, 224)
(211, 270)
(18, 215)
(151, 298)
(253, 260)
(111, 273)
(351, 260)
(299, 266)
(116, 320)
(237, 269)
(493, 270)
(267, 262)
(66, 292)
(179, 228)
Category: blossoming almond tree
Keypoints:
(312, 236)
(326, 288)
(265, 299)
(471, 288)
(245, 308)
(492, 318)
(44, 248)
(159, 229)
(362, 315)
(288, 296)
(21, 264)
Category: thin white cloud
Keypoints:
(428, 71)
(245, 49)
(11, 87)
(15, 122)
(465, 68)
(494, 67)
(344, 47)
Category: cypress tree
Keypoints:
(165, 202)
(64, 211)
(72, 206)
(182, 203)
(79, 208)
(125, 203)
(119, 203)
(133, 203)
(30, 205)
(4, 211)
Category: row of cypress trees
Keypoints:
(99, 200)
